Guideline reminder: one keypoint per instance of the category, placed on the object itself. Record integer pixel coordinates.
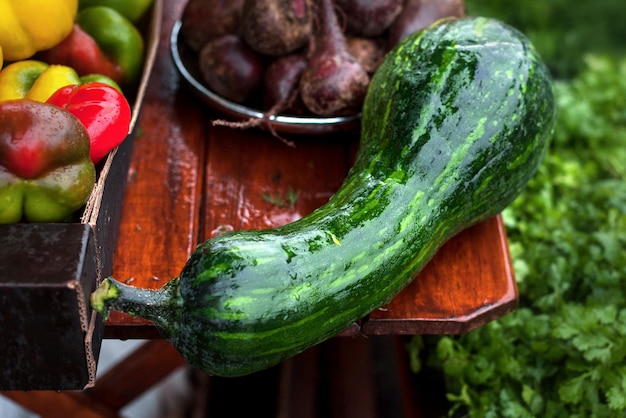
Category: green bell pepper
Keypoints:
(45, 170)
(133, 10)
(117, 37)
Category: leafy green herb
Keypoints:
(287, 200)
(562, 30)
(563, 352)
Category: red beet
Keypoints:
(282, 78)
(204, 20)
(369, 52)
(231, 68)
(369, 17)
(276, 27)
(418, 14)
(334, 83)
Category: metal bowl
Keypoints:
(186, 63)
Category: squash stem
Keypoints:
(161, 306)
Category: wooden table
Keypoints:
(189, 180)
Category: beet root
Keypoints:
(282, 79)
(276, 27)
(369, 18)
(418, 14)
(230, 68)
(334, 83)
(369, 52)
(204, 20)
(343, 96)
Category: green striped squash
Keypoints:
(456, 121)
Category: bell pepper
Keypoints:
(34, 80)
(81, 52)
(133, 10)
(117, 37)
(102, 109)
(45, 170)
(28, 26)
(101, 78)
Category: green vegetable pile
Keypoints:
(563, 352)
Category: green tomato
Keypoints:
(133, 10)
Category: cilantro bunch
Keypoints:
(563, 352)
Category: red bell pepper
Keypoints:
(81, 52)
(102, 109)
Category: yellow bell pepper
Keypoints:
(34, 80)
(28, 26)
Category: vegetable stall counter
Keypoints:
(190, 180)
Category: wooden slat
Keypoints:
(298, 390)
(119, 386)
(160, 212)
(50, 404)
(423, 395)
(139, 371)
(246, 169)
(159, 224)
(352, 390)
